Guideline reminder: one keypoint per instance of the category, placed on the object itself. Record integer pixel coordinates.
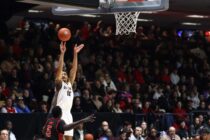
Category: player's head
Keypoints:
(64, 76)
(56, 112)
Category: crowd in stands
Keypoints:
(153, 72)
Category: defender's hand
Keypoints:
(90, 118)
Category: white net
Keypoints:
(126, 22)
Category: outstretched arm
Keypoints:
(58, 77)
(73, 71)
(90, 118)
(60, 62)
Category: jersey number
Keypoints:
(68, 93)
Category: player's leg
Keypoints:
(67, 117)
(68, 135)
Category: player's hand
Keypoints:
(78, 48)
(90, 118)
(63, 47)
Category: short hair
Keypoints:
(56, 112)
(4, 130)
(171, 128)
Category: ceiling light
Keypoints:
(144, 20)
(60, 9)
(197, 16)
(35, 11)
(191, 23)
(89, 15)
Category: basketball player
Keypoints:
(64, 94)
(55, 127)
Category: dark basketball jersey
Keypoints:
(53, 129)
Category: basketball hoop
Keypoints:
(126, 23)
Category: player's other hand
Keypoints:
(63, 47)
(90, 118)
(78, 48)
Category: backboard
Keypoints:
(115, 6)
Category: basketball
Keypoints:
(64, 34)
(88, 137)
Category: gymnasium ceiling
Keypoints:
(178, 12)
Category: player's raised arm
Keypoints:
(60, 62)
(73, 71)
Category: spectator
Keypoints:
(137, 107)
(5, 89)
(116, 108)
(146, 107)
(202, 108)
(158, 92)
(9, 126)
(179, 112)
(183, 131)
(26, 97)
(194, 98)
(208, 125)
(43, 107)
(8, 108)
(165, 76)
(108, 107)
(21, 107)
(87, 104)
(97, 102)
(109, 134)
(137, 72)
(98, 88)
(195, 127)
(102, 130)
(202, 120)
(79, 132)
(4, 134)
(122, 135)
(2, 96)
(172, 134)
(137, 134)
(108, 83)
(144, 129)
(174, 77)
(16, 89)
(153, 134)
(77, 105)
